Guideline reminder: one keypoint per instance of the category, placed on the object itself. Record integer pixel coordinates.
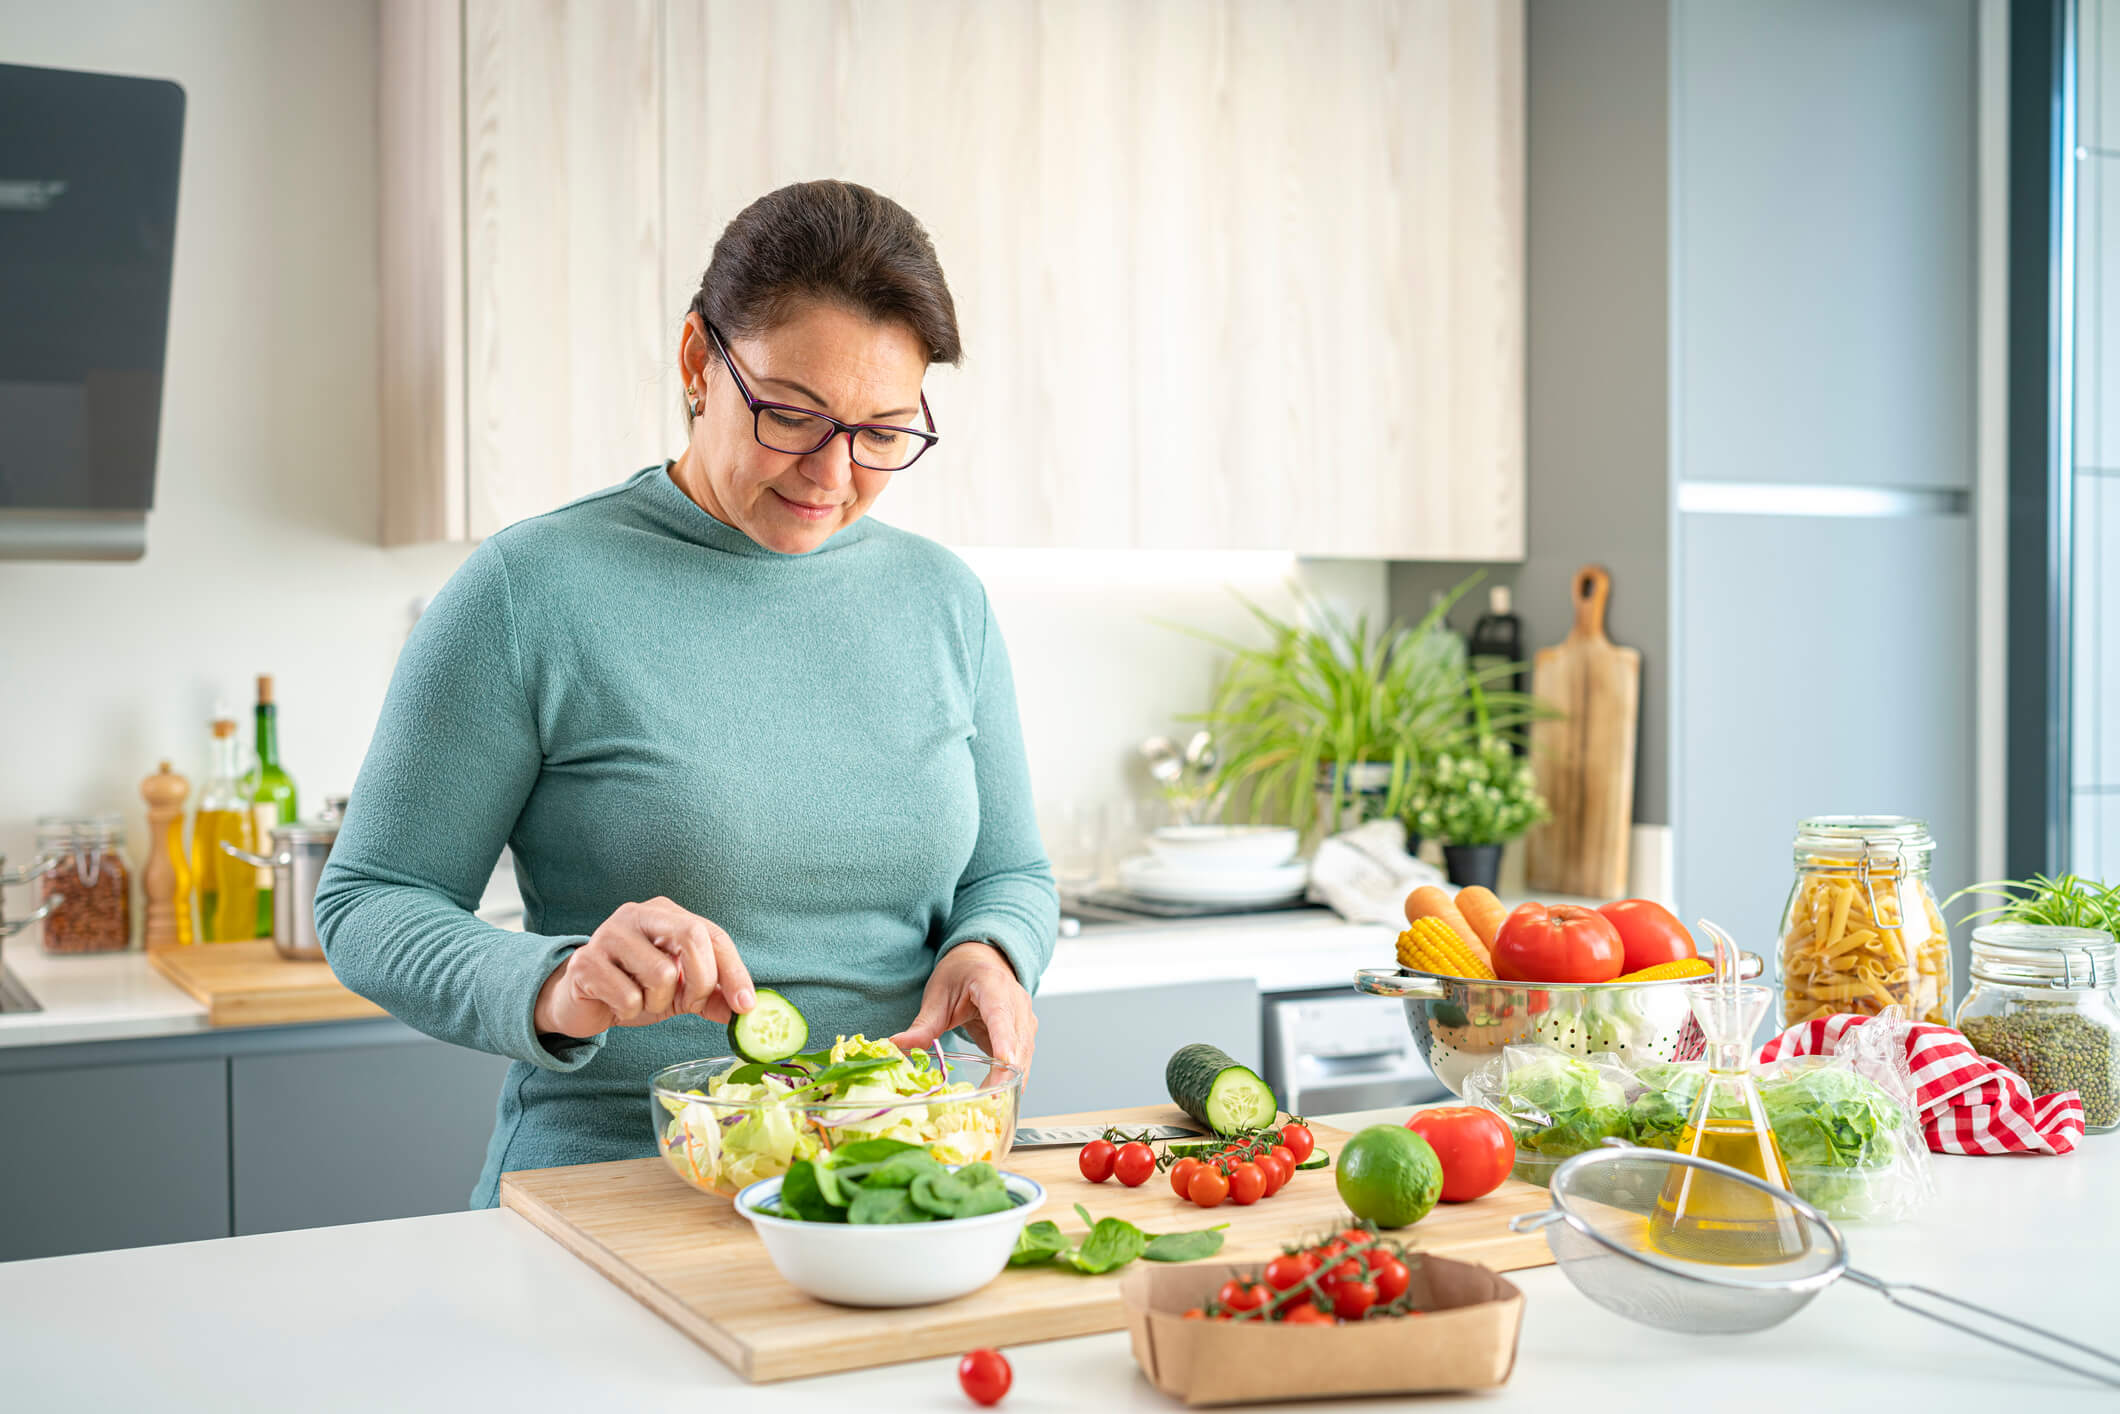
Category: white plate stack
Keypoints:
(1239, 865)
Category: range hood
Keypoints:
(88, 218)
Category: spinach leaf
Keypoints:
(1183, 1246)
(900, 1170)
(1111, 1244)
(873, 1151)
(835, 1076)
(885, 1205)
(1040, 1243)
(971, 1191)
(802, 1197)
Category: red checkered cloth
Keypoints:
(1968, 1103)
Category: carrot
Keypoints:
(1429, 901)
(1483, 911)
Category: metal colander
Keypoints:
(1601, 1228)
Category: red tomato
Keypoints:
(1306, 1314)
(1350, 1299)
(985, 1376)
(1648, 933)
(1134, 1163)
(1288, 1270)
(1095, 1160)
(1276, 1173)
(1298, 1141)
(1196, 1314)
(1356, 1237)
(1391, 1278)
(1181, 1174)
(1349, 1269)
(1287, 1156)
(1474, 1145)
(1242, 1295)
(1208, 1187)
(1247, 1185)
(1559, 944)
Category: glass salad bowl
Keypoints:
(725, 1123)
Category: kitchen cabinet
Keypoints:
(1239, 276)
(102, 1156)
(356, 1135)
(1107, 1050)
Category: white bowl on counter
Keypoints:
(1254, 848)
(890, 1264)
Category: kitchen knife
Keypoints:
(1066, 1135)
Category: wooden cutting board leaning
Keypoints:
(1585, 758)
(692, 1260)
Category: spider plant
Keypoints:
(2070, 901)
(1326, 694)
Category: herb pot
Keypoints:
(1473, 865)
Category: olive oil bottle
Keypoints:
(270, 791)
(226, 887)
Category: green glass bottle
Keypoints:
(271, 794)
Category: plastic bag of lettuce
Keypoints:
(1558, 1105)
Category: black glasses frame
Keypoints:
(757, 406)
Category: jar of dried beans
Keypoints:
(86, 884)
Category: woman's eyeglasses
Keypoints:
(783, 427)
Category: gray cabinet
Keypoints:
(356, 1135)
(101, 1156)
(1106, 1050)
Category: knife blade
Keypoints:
(1065, 1135)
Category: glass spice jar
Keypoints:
(2042, 1003)
(86, 885)
(1861, 930)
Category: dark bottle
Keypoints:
(1498, 638)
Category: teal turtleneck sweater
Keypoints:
(818, 752)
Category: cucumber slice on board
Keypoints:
(1212, 1088)
(772, 1030)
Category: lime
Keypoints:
(1389, 1175)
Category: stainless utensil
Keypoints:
(11, 926)
(1602, 1230)
(1459, 1024)
(1166, 767)
(1069, 1135)
(297, 862)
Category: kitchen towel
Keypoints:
(1364, 874)
(1968, 1103)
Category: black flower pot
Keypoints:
(1473, 865)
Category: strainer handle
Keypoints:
(1390, 982)
(1532, 1222)
(1890, 1291)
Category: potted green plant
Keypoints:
(1332, 720)
(1476, 799)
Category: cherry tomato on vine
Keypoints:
(1208, 1187)
(1287, 1156)
(1096, 1160)
(1356, 1237)
(1133, 1164)
(1181, 1174)
(1242, 1295)
(1329, 1252)
(1350, 1269)
(1305, 1314)
(1351, 1299)
(1246, 1185)
(1299, 1141)
(1391, 1278)
(1196, 1314)
(1276, 1176)
(1288, 1270)
(985, 1376)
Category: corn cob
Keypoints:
(1431, 945)
(1664, 971)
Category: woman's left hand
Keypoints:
(973, 987)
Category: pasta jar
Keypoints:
(2042, 1004)
(86, 886)
(1862, 931)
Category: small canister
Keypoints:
(86, 886)
(2042, 1003)
(1861, 930)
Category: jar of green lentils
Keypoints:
(2042, 1004)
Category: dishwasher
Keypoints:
(1331, 1050)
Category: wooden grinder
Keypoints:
(168, 911)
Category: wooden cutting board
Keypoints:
(1585, 759)
(250, 984)
(691, 1259)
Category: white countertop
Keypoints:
(481, 1311)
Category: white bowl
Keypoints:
(1151, 876)
(1254, 847)
(891, 1264)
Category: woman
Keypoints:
(735, 732)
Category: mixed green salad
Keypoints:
(767, 1115)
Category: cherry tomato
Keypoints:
(1299, 1141)
(1181, 1174)
(1306, 1314)
(1196, 1314)
(1287, 1156)
(1133, 1164)
(1208, 1187)
(1350, 1299)
(1357, 1237)
(1246, 1185)
(1242, 1295)
(1474, 1146)
(1391, 1278)
(1648, 934)
(1276, 1175)
(1328, 1252)
(985, 1376)
(1558, 944)
(1288, 1270)
(1096, 1159)
(1352, 1269)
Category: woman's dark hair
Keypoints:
(831, 241)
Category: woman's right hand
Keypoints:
(646, 963)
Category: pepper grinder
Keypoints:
(163, 881)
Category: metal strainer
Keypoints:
(1604, 1234)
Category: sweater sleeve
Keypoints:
(454, 757)
(1006, 895)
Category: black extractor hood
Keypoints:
(88, 220)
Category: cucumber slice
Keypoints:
(772, 1030)
(1217, 1092)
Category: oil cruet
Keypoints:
(1699, 1216)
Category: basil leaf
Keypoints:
(1039, 1243)
(1183, 1246)
(1111, 1244)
